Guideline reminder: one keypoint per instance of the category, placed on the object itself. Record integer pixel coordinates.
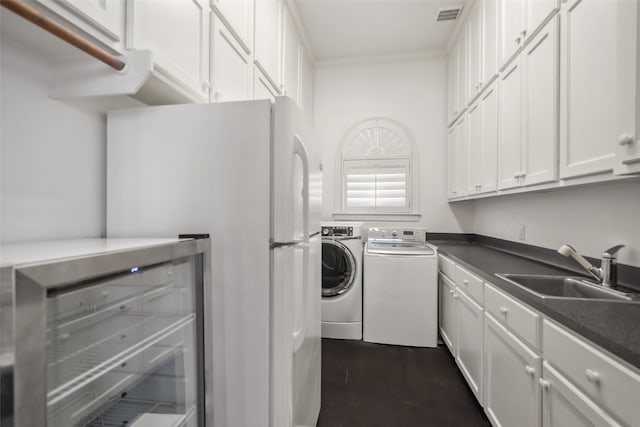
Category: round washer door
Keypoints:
(338, 268)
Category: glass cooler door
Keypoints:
(125, 350)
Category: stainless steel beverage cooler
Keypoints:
(105, 332)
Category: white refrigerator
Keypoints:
(246, 174)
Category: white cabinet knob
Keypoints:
(504, 311)
(64, 337)
(625, 139)
(104, 294)
(529, 370)
(216, 95)
(546, 385)
(451, 292)
(455, 296)
(523, 33)
(465, 281)
(206, 85)
(592, 376)
(517, 40)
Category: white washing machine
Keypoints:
(342, 280)
(400, 288)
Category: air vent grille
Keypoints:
(448, 14)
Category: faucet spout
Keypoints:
(569, 251)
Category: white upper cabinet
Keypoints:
(181, 54)
(231, 70)
(306, 84)
(452, 85)
(267, 39)
(452, 162)
(103, 19)
(461, 73)
(262, 87)
(291, 58)
(474, 43)
(483, 142)
(512, 28)
(462, 146)
(628, 147)
(541, 86)
(589, 106)
(510, 122)
(519, 21)
(489, 41)
(238, 15)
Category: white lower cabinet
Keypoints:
(447, 312)
(565, 406)
(231, 70)
(512, 370)
(469, 341)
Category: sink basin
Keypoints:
(566, 287)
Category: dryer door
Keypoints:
(338, 268)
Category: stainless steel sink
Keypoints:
(566, 288)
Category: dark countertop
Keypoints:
(614, 326)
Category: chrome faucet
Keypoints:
(607, 274)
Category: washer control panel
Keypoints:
(398, 234)
(341, 231)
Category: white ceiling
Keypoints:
(341, 29)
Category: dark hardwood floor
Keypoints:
(372, 385)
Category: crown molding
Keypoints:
(382, 59)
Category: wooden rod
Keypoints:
(21, 8)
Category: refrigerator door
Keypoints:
(296, 335)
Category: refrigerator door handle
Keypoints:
(293, 243)
(301, 151)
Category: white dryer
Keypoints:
(342, 250)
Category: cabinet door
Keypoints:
(512, 395)
(452, 84)
(230, 67)
(512, 28)
(306, 85)
(542, 72)
(452, 162)
(489, 40)
(475, 144)
(267, 38)
(564, 405)
(238, 15)
(291, 57)
(588, 80)
(474, 41)
(510, 122)
(628, 82)
(469, 334)
(537, 13)
(447, 313)
(462, 71)
(181, 56)
(462, 145)
(489, 155)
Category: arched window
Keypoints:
(376, 165)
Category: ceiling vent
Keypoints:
(448, 14)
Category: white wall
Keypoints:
(411, 92)
(52, 156)
(590, 218)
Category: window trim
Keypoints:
(411, 213)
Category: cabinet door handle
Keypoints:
(518, 40)
(625, 139)
(504, 311)
(529, 370)
(592, 376)
(546, 385)
(523, 33)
